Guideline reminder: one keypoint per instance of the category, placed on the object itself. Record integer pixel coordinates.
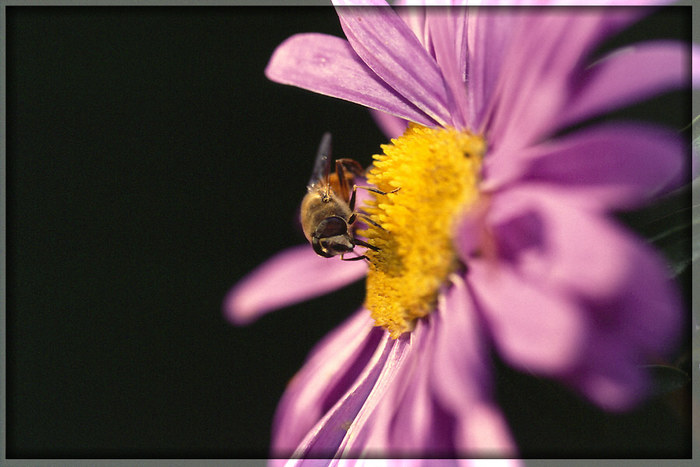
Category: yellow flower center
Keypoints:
(437, 171)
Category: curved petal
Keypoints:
(330, 370)
(628, 75)
(402, 351)
(461, 377)
(438, 404)
(546, 237)
(534, 327)
(642, 322)
(488, 38)
(547, 49)
(612, 376)
(645, 321)
(448, 34)
(414, 17)
(393, 127)
(567, 273)
(289, 277)
(388, 46)
(325, 438)
(330, 435)
(402, 423)
(328, 65)
(617, 166)
(420, 428)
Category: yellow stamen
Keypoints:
(437, 171)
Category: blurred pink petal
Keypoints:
(622, 303)
(294, 275)
(640, 323)
(488, 38)
(535, 88)
(541, 233)
(695, 67)
(393, 127)
(460, 373)
(595, 163)
(626, 76)
(533, 327)
(612, 166)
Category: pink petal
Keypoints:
(617, 166)
(439, 403)
(533, 327)
(461, 377)
(696, 65)
(402, 423)
(289, 277)
(544, 49)
(628, 75)
(648, 310)
(547, 48)
(330, 370)
(356, 442)
(448, 34)
(564, 273)
(488, 35)
(359, 3)
(328, 65)
(393, 127)
(388, 46)
(612, 378)
(331, 434)
(414, 17)
(542, 233)
(425, 463)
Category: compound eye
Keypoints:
(331, 226)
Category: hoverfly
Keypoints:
(328, 209)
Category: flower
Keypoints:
(499, 237)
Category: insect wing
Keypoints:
(322, 165)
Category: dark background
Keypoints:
(150, 166)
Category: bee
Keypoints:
(328, 208)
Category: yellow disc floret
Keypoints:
(437, 171)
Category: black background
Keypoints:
(150, 166)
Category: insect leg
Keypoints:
(357, 241)
(354, 258)
(367, 219)
(351, 203)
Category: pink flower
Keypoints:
(530, 264)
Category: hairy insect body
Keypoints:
(325, 223)
(319, 207)
(328, 209)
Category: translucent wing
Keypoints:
(322, 165)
